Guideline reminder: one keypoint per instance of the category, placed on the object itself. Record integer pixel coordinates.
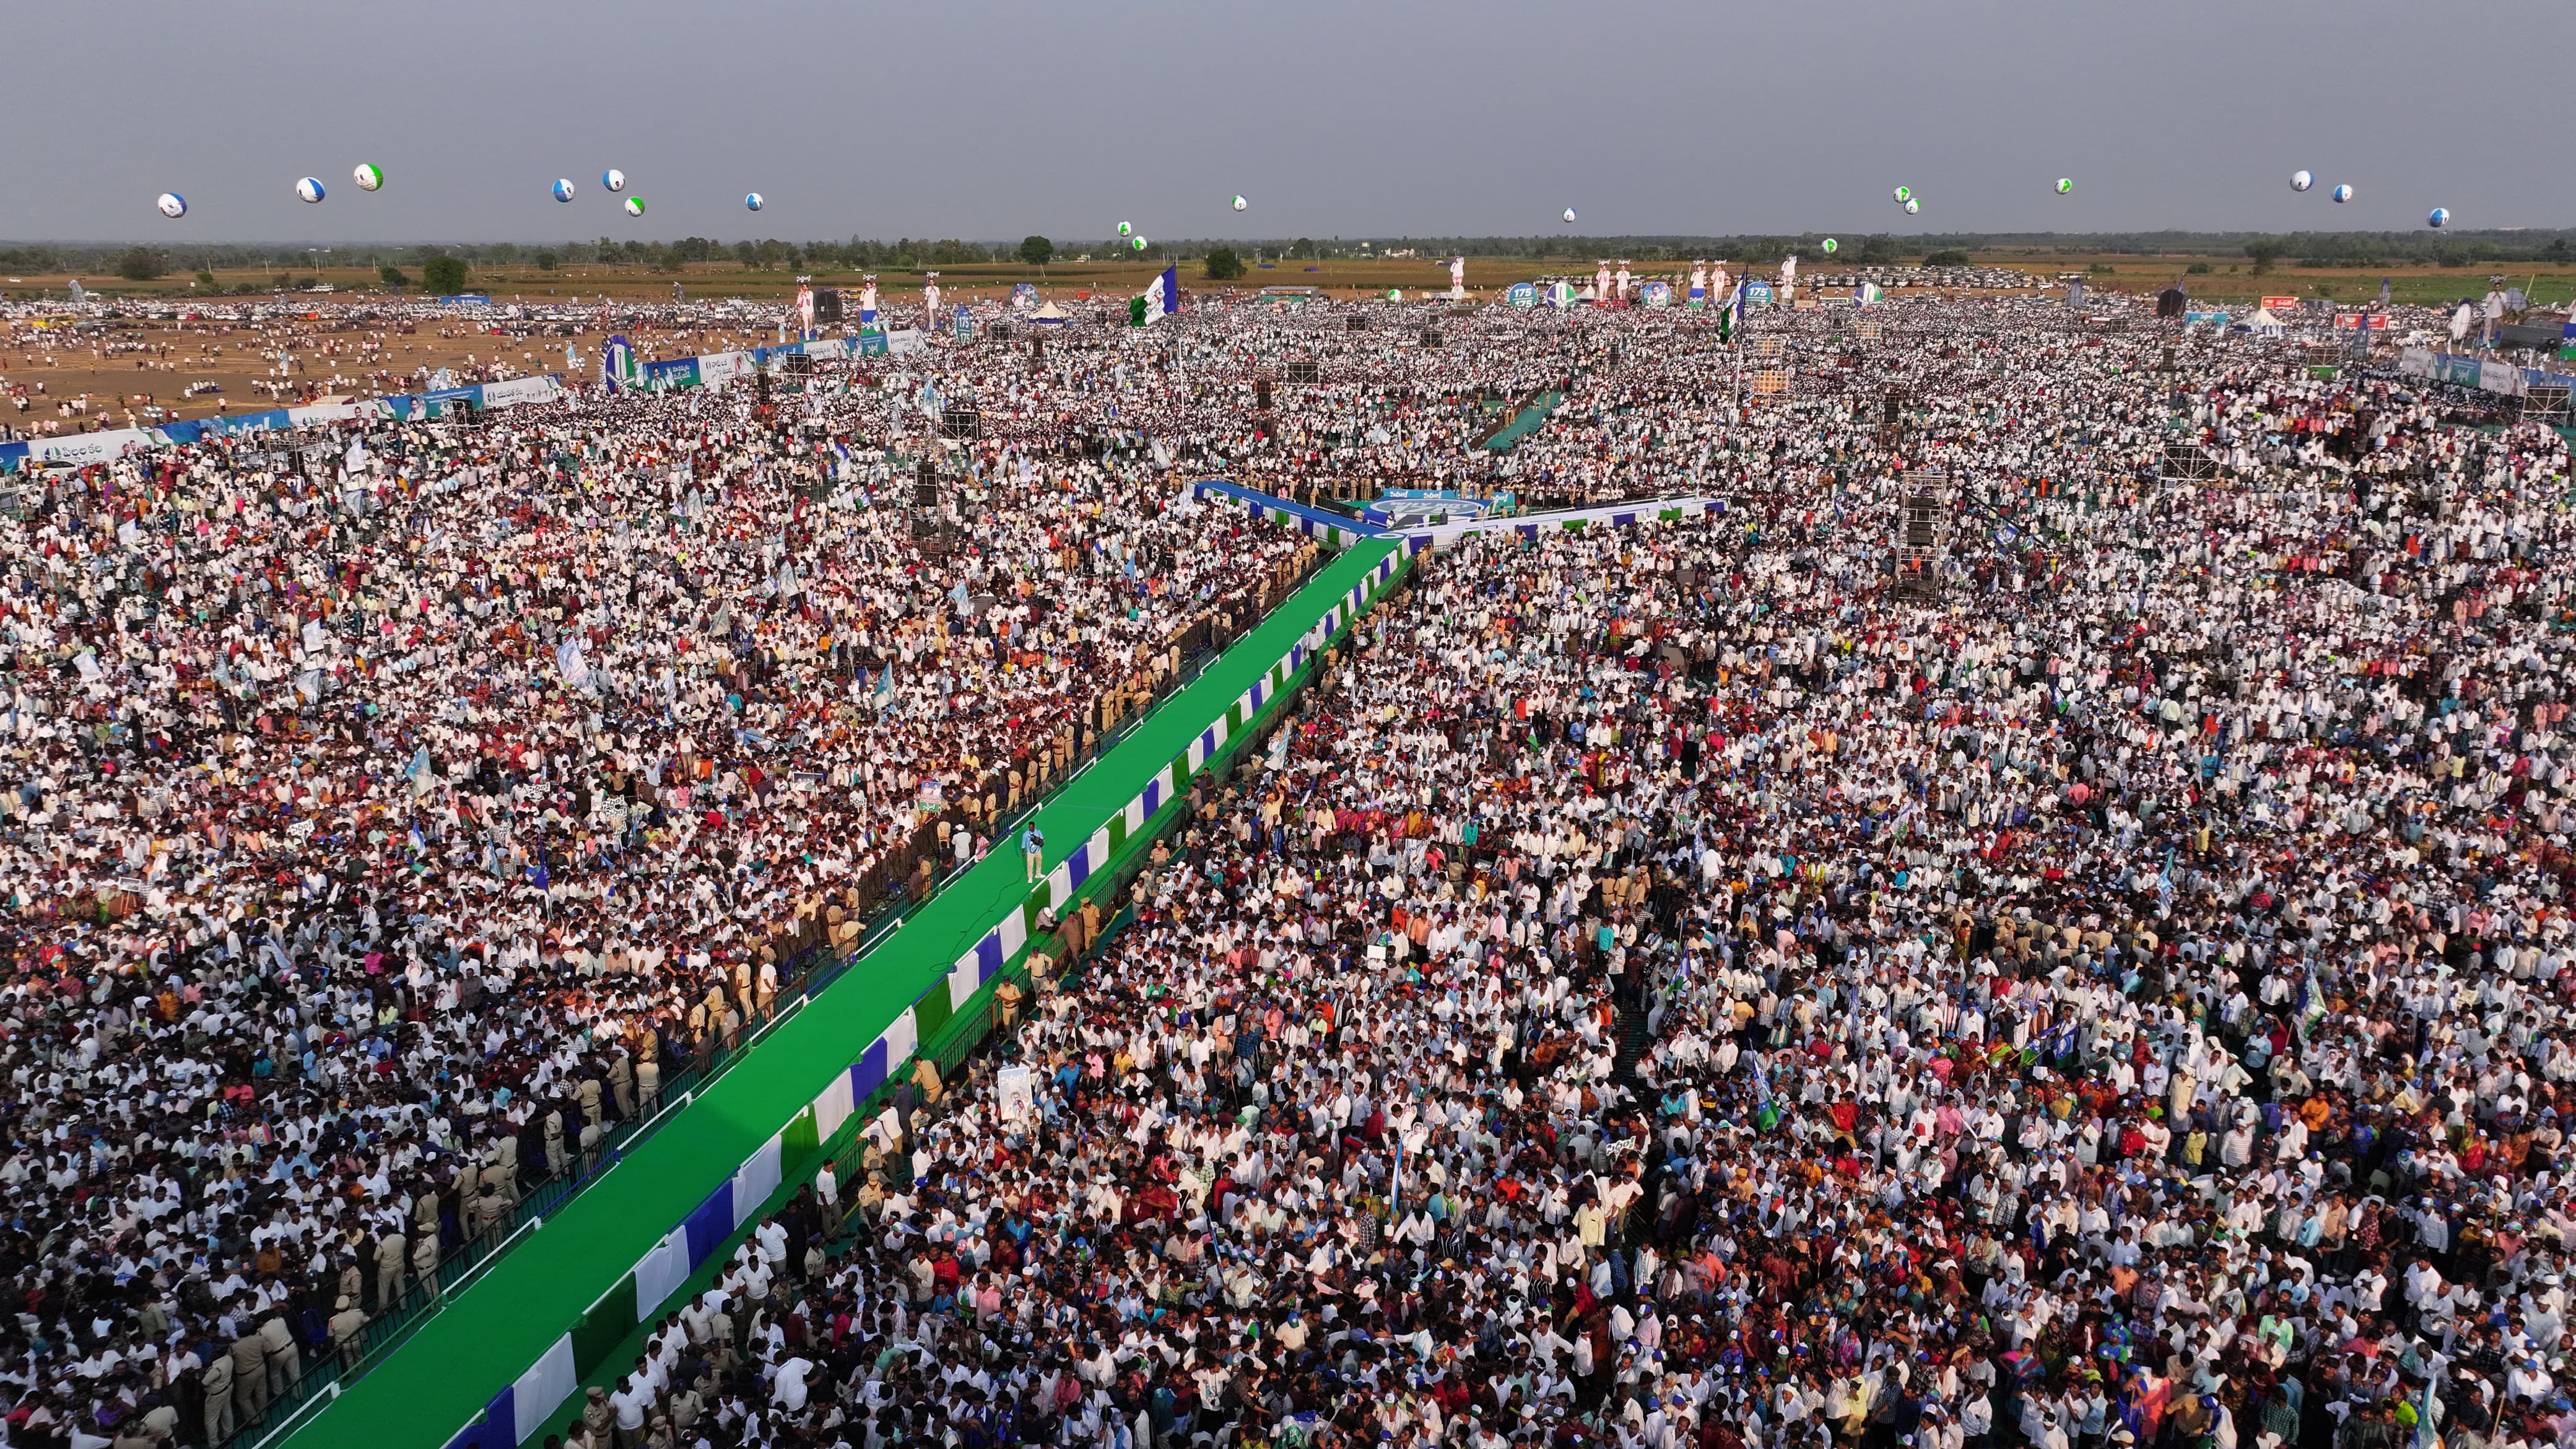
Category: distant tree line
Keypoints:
(2340, 249)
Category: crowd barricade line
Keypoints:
(832, 1125)
(75, 449)
(952, 1003)
(387, 1331)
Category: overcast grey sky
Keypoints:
(995, 118)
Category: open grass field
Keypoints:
(331, 346)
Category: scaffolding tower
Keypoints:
(1923, 533)
(2187, 462)
(933, 534)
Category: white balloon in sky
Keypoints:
(2301, 181)
(309, 190)
(613, 179)
(173, 205)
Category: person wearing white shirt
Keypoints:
(631, 1400)
(1976, 1420)
(787, 1385)
(695, 1318)
(2422, 1283)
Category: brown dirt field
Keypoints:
(346, 354)
(2234, 280)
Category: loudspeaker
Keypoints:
(827, 304)
(1261, 394)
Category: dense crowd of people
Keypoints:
(1701, 982)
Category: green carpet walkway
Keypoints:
(497, 1327)
(1525, 422)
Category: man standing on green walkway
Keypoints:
(1033, 849)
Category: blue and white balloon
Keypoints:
(751, 202)
(613, 179)
(173, 205)
(2301, 181)
(2440, 218)
(2342, 194)
(309, 190)
(1568, 217)
(563, 189)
